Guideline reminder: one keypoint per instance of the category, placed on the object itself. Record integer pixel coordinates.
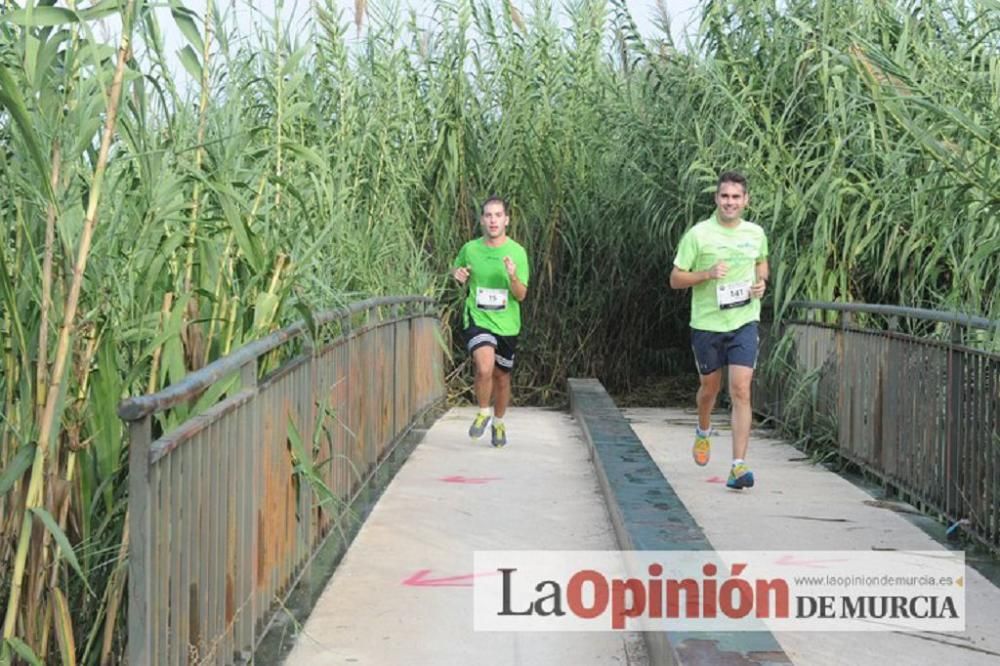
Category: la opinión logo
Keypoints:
(588, 594)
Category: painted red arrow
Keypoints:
(715, 479)
(816, 564)
(468, 479)
(420, 579)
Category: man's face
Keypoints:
(731, 199)
(494, 220)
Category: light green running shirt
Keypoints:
(723, 305)
(490, 304)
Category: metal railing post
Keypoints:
(396, 425)
(248, 374)
(956, 372)
(140, 624)
(845, 320)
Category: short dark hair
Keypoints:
(495, 198)
(731, 177)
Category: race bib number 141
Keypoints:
(733, 295)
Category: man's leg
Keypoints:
(740, 377)
(707, 350)
(501, 391)
(742, 355)
(708, 391)
(482, 362)
(501, 386)
(501, 398)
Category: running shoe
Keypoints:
(478, 427)
(499, 435)
(702, 449)
(740, 477)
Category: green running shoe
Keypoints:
(499, 435)
(478, 427)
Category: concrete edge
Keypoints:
(647, 514)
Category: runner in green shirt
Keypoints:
(724, 261)
(496, 270)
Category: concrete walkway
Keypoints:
(800, 506)
(403, 593)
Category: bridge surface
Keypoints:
(403, 592)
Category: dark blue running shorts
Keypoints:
(713, 350)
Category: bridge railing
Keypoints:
(914, 397)
(226, 508)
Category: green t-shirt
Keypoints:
(490, 304)
(721, 305)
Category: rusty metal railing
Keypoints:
(914, 396)
(224, 510)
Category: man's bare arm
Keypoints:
(680, 279)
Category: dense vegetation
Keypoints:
(150, 224)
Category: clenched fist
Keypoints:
(718, 271)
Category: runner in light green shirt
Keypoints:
(741, 248)
(723, 260)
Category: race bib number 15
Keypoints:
(491, 299)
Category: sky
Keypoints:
(644, 11)
(683, 13)
(683, 19)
